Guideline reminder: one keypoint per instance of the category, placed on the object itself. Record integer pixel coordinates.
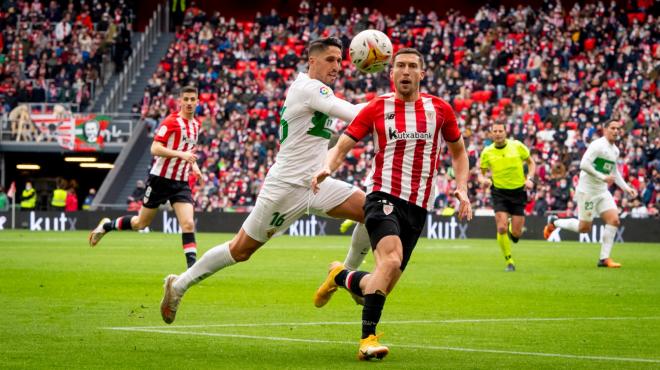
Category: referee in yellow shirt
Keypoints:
(505, 160)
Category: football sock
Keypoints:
(608, 241)
(212, 261)
(189, 248)
(121, 223)
(513, 238)
(351, 280)
(505, 245)
(571, 224)
(373, 307)
(360, 245)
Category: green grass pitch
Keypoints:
(65, 305)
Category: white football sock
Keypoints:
(360, 245)
(571, 224)
(212, 261)
(608, 241)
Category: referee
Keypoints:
(505, 159)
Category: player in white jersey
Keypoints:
(305, 130)
(598, 172)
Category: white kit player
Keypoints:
(286, 195)
(598, 172)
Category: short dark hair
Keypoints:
(188, 89)
(409, 51)
(608, 123)
(323, 44)
(497, 123)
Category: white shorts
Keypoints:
(592, 205)
(280, 204)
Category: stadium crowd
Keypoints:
(554, 75)
(54, 51)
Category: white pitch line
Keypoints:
(452, 321)
(441, 348)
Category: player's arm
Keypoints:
(461, 165)
(621, 183)
(587, 165)
(196, 171)
(531, 172)
(158, 149)
(335, 158)
(322, 99)
(484, 177)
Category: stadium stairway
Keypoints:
(148, 68)
(103, 96)
(135, 158)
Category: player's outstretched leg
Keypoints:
(329, 286)
(170, 302)
(98, 232)
(106, 225)
(549, 227)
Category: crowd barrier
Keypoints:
(631, 230)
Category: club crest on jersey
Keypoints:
(325, 91)
(393, 134)
(387, 209)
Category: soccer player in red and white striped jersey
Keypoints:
(173, 149)
(407, 128)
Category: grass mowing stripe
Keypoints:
(451, 321)
(413, 346)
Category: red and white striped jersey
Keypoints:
(176, 133)
(406, 138)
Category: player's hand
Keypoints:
(318, 179)
(529, 184)
(632, 192)
(198, 174)
(609, 179)
(189, 157)
(486, 183)
(465, 208)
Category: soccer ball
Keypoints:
(370, 51)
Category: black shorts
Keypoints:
(160, 190)
(387, 215)
(512, 201)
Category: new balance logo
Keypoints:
(389, 116)
(414, 135)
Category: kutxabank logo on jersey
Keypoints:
(393, 134)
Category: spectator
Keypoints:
(4, 201)
(87, 203)
(58, 198)
(28, 197)
(71, 202)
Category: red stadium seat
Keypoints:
(589, 44)
(482, 96)
(636, 16)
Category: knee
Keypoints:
(188, 226)
(240, 254)
(139, 224)
(616, 223)
(391, 263)
(501, 229)
(584, 228)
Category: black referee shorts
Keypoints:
(512, 201)
(160, 190)
(387, 215)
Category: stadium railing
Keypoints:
(157, 25)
